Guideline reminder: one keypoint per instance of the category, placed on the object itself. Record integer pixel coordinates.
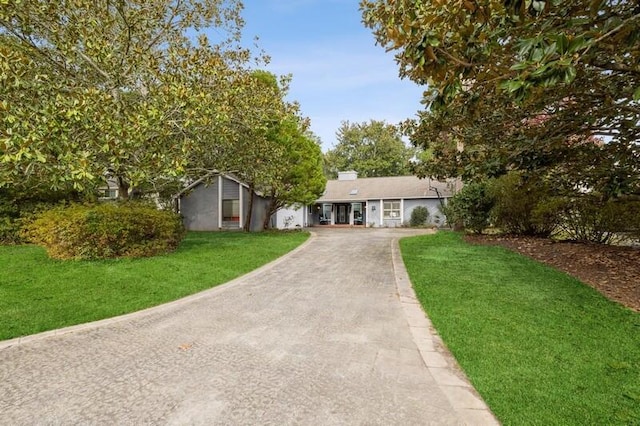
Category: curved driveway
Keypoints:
(330, 334)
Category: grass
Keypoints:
(39, 294)
(541, 347)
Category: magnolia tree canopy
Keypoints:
(95, 89)
(546, 87)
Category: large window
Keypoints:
(231, 210)
(391, 210)
(357, 213)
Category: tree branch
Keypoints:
(453, 58)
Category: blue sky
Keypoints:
(338, 71)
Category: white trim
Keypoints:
(220, 201)
(240, 209)
(381, 212)
(401, 211)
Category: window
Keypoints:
(231, 210)
(391, 210)
(108, 193)
(325, 217)
(357, 213)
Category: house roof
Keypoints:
(396, 187)
(208, 178)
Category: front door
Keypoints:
(343, 214)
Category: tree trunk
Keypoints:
(123, 189)
(249, 215)
(273, 207)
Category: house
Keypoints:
(376, 202)
(219, 202)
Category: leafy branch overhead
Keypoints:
(548, 87)
(119, 89)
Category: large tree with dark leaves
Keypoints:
(547, 87)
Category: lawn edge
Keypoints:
(440, 362)
(165, 307)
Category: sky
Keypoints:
(339, 74)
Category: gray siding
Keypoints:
(373, 217)
(433, 205)
(199, 208)
(260, 206)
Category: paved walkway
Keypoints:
(330, 334)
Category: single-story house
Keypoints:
(219, 202)
(371, 202)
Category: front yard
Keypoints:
(540, 346)
(39, 294)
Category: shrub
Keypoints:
(105, 230)
(419, 216)
(470, 207)
(520, 205)
(589, 218)
(18, 209)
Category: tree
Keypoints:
(298, 177)
(471, 208)
(95, 89)
(372, 149)
(523, 85)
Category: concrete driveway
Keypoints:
(330, 334)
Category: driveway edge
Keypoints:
(154, 309)
(439, 361)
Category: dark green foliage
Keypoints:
(18, 208)
(419, 216)
(470, 208)
(107, 230)
(372, 149)
(520, 205)
(589, 218)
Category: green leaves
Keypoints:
(92, 90)
(548, 88)
(372, 148)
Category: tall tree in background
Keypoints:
(551, 88)
(94, 89)
(372, 149)
(298, 178)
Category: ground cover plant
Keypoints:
(38, 293)
(540, 346)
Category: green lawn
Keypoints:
(38, 294)
(541, 347)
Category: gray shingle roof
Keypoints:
(395, 187)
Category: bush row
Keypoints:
(106, 230)
(530, 206)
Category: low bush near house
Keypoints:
(419, 216)
(470, 208)
(106, 230)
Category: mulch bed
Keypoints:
(612, 270)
